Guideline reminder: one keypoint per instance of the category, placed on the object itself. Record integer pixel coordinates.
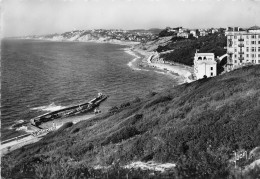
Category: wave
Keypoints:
(160, 72)
(51, 107)
(132, 64)
(24, 128)
(17, 124)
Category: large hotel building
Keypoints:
(243, 46)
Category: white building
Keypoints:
(194, 33)
(243, 46)
(204, 65)
(183, 34)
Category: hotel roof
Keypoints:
(204, 54)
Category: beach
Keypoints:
(150, 60)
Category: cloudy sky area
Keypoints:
(28, 17)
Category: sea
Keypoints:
(41, 76)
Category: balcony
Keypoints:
(241, 52)
(241, 58)
(240, 45)
(230, 52)
(241, 40)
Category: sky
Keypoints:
(37, 17)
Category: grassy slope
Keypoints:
(196, 125)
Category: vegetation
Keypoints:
(184, 49)
(198, 126)
(165, 33)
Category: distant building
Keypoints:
(214, 31)
(194, 33)
(243, 46)
(183, 34)
(203, 33)
(204, 65)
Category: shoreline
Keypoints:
(144, 60)
(13, 145)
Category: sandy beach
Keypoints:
(150, 60)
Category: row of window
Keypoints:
(247, 55)
(253, 61)
(247, 42)
(247, 36)
(253, 49)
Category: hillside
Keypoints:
(182, 50)
(197, 126)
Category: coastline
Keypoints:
(10, 146)
(145, 60)
(114, 41)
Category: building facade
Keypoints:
(243, 46)
(183, 34)
(204, 65)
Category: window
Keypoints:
(247, 36)
(235, 50)
(235, 37)
(258, 36)
(253, 61)
(258, 49)
(247, 55)
(211, 68)
(258, 61)
(253, 36)
(247, 49)
(235, 56)
(211, 74)
(259, 42)
(253, 55)
(253, 42)
(258, 55)
(253, 49)
(235, 61)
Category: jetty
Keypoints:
(69, 111)
(38, 132)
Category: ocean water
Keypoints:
(42, 76)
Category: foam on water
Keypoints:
(25, 129)
(51, 107)
(132, 64)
